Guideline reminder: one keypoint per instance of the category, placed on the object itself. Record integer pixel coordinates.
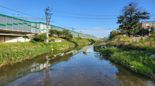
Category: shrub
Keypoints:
(39, 37)
(108, 51)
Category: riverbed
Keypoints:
(83, 67)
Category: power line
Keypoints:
(20, 12)
(79, 14)
(84, 17)
(63, 26)
(90, 18)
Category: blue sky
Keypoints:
(97, 17)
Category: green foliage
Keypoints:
(130, 19)
(17, 52)
(81, 41)
(92, 41)
(114, 33)
(108, 51)
(140, 68)
(152, 37)
(135, 60)
(142, 32)
(53, 32)
(63, 34)
(39, 37)
(67, 35)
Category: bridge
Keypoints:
(13, 27)
(16, 25)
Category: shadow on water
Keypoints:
(129, 78)
(75, 68)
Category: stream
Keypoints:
(83, 67)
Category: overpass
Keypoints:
(13, 29)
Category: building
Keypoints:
(148, 25)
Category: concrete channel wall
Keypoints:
(13, 39)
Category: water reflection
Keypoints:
(126, 79)
(38, 67)
(38, 64)
(83, 68)
(85, 50)
(47, 77)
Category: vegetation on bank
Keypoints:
(17, 52)
(135, 60)
(131, 45)
(141, 42)
(82, 41)
(135, 53)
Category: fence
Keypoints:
(9, 23)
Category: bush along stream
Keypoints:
(139, 61)
(11, 53)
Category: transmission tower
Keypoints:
(48, 20)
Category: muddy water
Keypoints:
(83, 68)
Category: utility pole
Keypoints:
(48, 20)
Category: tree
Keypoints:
(59, 33)
(67, 35)
(131, 18)
(114, 33)
(55, 33)
(39, 37)
(63, 34)
(52, 32)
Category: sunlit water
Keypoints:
(85, 68)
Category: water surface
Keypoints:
(85, 68)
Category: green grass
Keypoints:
(132, 52)
(81, 41)
(142, 42)
(16, 52)
(137, 61)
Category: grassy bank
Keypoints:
(16, 52)
(138, 42)
(81, 41)
(134, 53)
